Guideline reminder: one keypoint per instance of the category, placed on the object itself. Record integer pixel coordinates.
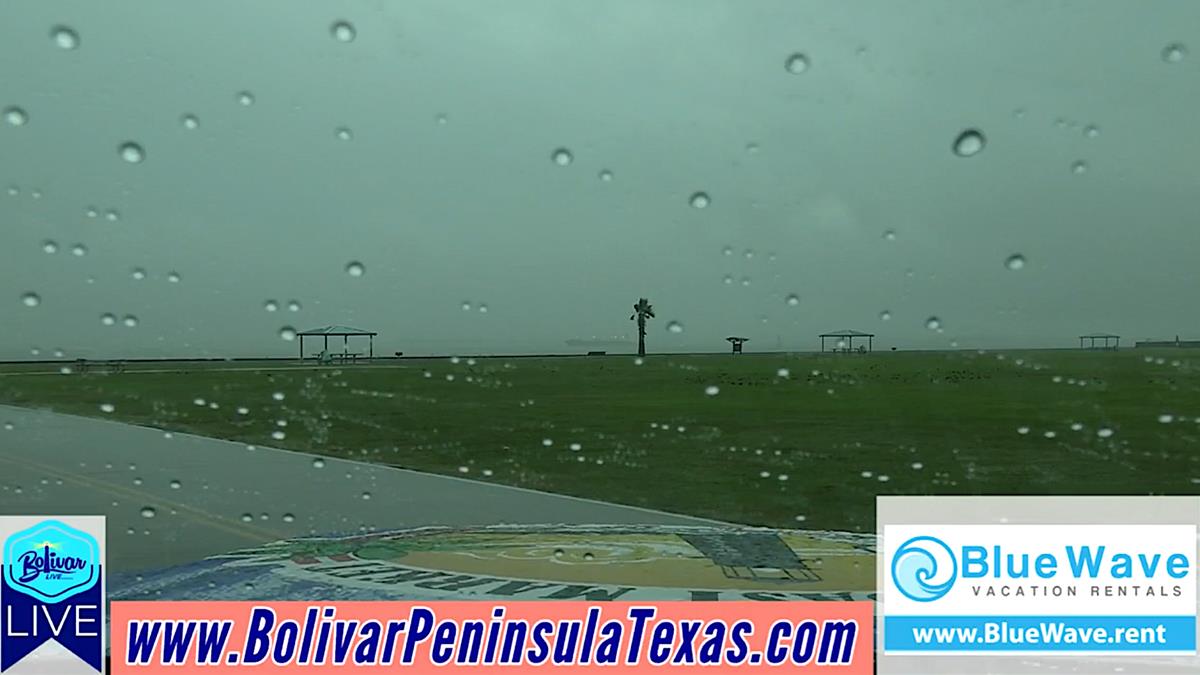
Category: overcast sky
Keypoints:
(807, 170)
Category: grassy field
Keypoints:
(807, 447)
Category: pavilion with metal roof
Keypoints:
(1105, 337)
(848, 336)
(344, 332)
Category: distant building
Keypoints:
(1193, 344)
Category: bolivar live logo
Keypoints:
(52, 590)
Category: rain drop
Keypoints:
(344, 133)
(78, 250)
(289, 518)
(15, 116)
(64, 37)
(355, 269)
(175, 484)
(343, 31)
(130, 321)
(793, 300)
(796, 63)
(245, 98)
(366, 495)
(933, 323)
(1174, 52)
(1079, 167)
(108, 319)
(50, 246)
(173, 277)
(783, 372)
(149, 512)
(107, 407)
(190, 122)
(699, 200)
(138, 273)
(606, 175)
(31, 299)
(318, 463)
(969, 143)
(1091, 131)
(131, 152)
(271, 305)
(889, 235)
(1015, 262)
(712, 390)
(674, 327)
(293, 305)
(287, 333)
(885, 315)
(562, 157)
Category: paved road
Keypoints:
(178, 498)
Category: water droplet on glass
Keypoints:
(245, 98)
(712, 390)
(343, 31)
(318, 463)
(1166, 419)
(130, 321)
(674, 327)
(289, 518)
(606, 175)
(1091, 131)
(64, 37)
(344, 133)
(885, 315)
(78, 250)
(562, 157)
(933, 323)
(366, 495)
(889, 235)
(247, 518)
(271, 305)
(293, 305)
(1104, 432)
(31, 299)
(783, 372)
(173, 277)
(793, 300)
(108, 319)
(149, 512)
(190, 121)
(175, 484)
(132, 152)
(699, 200)
(107, 407)
(15, 116)
(727, 279)
(796, 63)
(1174, 52)
(355, 269)
(92, 212)
(1015, 261)
(50, 246)
(287, 333)
(1079, 167)
(138, 273)
(969, 143)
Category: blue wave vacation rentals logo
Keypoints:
(51, 588)
(916, 566)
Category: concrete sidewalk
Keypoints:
(172, 499)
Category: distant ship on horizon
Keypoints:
(599, 343)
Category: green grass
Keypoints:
(954, 415)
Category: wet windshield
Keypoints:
(554, 285)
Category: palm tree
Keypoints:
(642, 311)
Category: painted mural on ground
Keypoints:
(550, 562)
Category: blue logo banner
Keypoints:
(51, 589)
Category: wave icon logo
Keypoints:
(924, 569)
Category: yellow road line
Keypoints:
(199, 516)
